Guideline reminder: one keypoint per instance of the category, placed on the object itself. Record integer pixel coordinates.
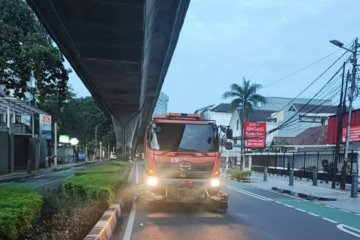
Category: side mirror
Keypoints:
(229, 133)
(228, 146)
(157, 129)
(223, 128)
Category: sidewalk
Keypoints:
(341, 198)
(22, 174)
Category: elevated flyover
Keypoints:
(121, 50)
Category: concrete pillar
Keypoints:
(129, 134)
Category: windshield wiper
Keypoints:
(180, 148)
(184, 149)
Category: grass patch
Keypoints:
(237, 173)
(112, 167)
(19, 207)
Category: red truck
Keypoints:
(182, 160)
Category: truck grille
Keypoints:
(172, 170)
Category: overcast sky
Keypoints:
(223, 41)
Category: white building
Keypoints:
(258, 115)
(161, 104)
(221, 113)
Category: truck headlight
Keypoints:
(215, 182)
(152, 181)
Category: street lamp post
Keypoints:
(354, 180)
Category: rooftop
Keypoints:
(258, 115)
(222, 107)
(312, 108)
(311, 136)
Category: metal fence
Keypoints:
(305, 163)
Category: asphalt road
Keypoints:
(253, 214)
(49, 179)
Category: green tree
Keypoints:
(27, 51)
(80, 116)
(245, 95)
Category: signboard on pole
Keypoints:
(64, 138)
(255, 134)
(354, 134)
(45, 126)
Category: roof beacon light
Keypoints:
(183, 115)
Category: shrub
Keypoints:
(19, 207)
(237, 173)
(95, 185)
(64, 216)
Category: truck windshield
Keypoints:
(184, 138)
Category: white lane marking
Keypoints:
(329, 206)
(342, 228)
(344, 210)
(288, 206)
(278, 202)
(249, 193)
(300, 210)
(358, 214)
(329, 220)
(130, 223)
(312, 214)
(40, 176)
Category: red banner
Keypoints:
(354, 134)
(255, 134)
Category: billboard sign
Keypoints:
(255, 134)
(354, 134)
(64, 138)
(45, 126)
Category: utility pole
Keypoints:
(96, 132)
(354, 180)
(242, 134)
(55, 145)
(339, 132)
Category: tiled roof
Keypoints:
(311, 136)
(303, 108)
(222, 107)
(258, 115)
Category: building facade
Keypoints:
(221, 113)
(161, 104)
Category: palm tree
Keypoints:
(246, 96)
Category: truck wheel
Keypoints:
(219, 207)
(212, 192)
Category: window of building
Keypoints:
(323, 121)
(17, 118)
(2, 118)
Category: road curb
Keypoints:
(302, 195)
(106, 225)
(66, 168)
(17, 178)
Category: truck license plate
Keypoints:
(186, 182)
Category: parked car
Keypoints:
(112, 156)
(82, 156)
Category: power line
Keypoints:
(291, 118)
(313, 82)
(303, 68)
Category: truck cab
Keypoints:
(182, 159)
